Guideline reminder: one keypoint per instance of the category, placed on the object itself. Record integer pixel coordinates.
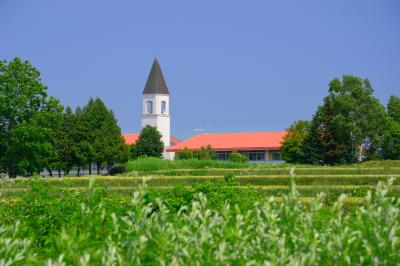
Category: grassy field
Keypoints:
(205, 213)
(267, 180)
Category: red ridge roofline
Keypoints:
(172, 149)
(131, 138)
(233, 141)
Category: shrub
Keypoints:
(237, 157)
(207, 153)
(149, 164)
(185, 154)
(118, 169)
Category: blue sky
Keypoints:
(231, 66)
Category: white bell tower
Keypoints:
(156, 105)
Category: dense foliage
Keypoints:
(350, 126)
(292, 145)
(213, 226)
(393, 108)
(27, 119)
(205, 153)
(36, 132)
(148, 144)
(146, 164)
(237, 157)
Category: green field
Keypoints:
(269, 181)
(164, 213)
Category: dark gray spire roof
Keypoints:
(155, 82)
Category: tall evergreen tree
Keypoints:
(81, 148)
(93, 116)
(113, 147)
(54, 122)
(65, 142)
(103, 135)
(321, 146)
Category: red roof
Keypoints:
(174, 140)
(233, 141)
(131, 138)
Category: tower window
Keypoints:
(163, 107)
(149, 107)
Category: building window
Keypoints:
(276, 156)
(223, 156)
(149, 107)
(254, 155)
(163, 107)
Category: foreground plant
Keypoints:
(271, 233)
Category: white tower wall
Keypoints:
(157, 118)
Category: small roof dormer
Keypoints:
(156, 82)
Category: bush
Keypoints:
(118, 169)
(237, 157)
(207, 153)
(185, 154)
(148, 164)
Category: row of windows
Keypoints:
(252, 155)
(276, 156)
(223, 156)
(149, 107)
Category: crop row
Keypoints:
(274, 171)
(319, 180)
(272, 190)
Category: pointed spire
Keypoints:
(155, 82)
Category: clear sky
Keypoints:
(230, 66)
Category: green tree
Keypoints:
(94, 115)
(387, 145)
(321, 145)
(393, 108)
(113, 149)
(25, 114)
(65, 142)
(357, 113)
(292, 145)
(81, 148)
(390, 146)
(54, 122)
(103, 136)
(149, 143)
(345, 127)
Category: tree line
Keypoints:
(37, 132)
(350, 126)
